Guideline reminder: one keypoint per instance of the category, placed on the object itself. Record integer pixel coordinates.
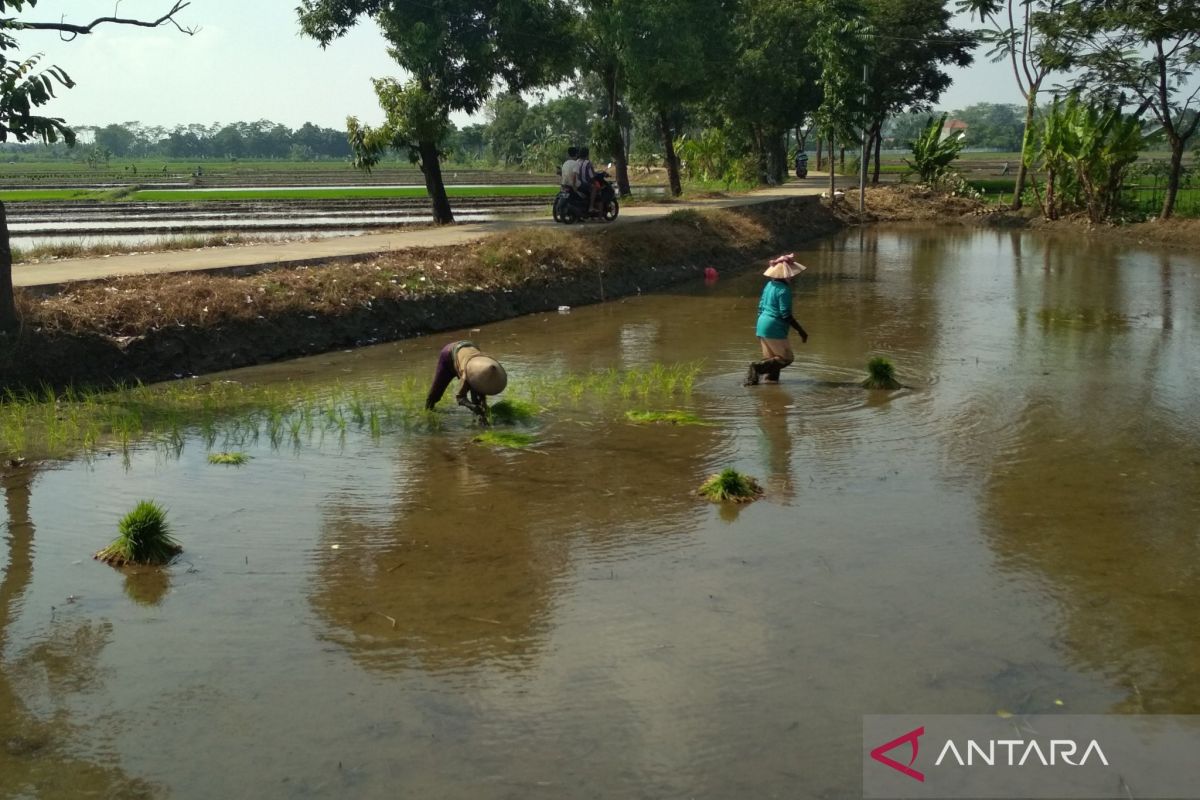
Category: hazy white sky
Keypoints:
(249, 62)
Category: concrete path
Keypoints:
(258, 256)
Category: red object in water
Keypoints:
(710, 274)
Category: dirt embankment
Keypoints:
(164, 326)
(911, 203)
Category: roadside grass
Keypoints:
(157, 244)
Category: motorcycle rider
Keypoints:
(587, 179)
(570, 169)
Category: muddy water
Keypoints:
(420, 617)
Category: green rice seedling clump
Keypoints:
(235, 459)
(666, 417)
(513, 412)
(144, 537)
(881, 375)
(731, 485)
(509, 439)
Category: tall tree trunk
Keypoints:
(8, 309)
(1026, 142)
(877, 131)
(431, 168)
(622, 154)
(1173, 177)
(832, 174)
(760, 154)
(669, 149)
(820, 154)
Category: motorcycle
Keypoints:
(571, 205)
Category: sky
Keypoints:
(248, 62)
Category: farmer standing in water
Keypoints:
(480, 376)
(774, 319)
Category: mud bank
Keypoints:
(911, 203)
(169, 326)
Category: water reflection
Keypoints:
(469, 564)
(1017, 528)
(36, 752)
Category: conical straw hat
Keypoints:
(784, 267)
(485, 375)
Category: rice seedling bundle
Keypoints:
(881, 375)
(144, 537)
(731, 485)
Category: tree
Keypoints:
(509, 131)
(915, 39)
(567, 117)
(1086, 149)
(672, 51)
(933, 153)
(117, 139)
(1148, 49)
(24, 88)
(455, 50)
(1032, 36)
(596, 32)
(840, 43)
(772, 84)
(998, 126)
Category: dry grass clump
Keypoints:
(47, 252)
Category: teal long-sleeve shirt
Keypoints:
(774, 310)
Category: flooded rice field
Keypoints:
(93, 223)
(410, 614)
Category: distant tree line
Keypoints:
(249, 140)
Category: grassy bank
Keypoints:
(162, 326)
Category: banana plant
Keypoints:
(932, 154)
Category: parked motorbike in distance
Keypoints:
(571, 205)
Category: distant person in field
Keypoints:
(774, 319)
(479, 375)
(570, 169)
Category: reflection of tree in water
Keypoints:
(1106, 518)
(466, 571)
(34, 753)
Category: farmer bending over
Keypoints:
(479, 374)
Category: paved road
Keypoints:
(342, 247)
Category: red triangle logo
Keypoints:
(911, 738)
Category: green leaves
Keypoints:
(932, 153)
(1085, 150)
(22, 89)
